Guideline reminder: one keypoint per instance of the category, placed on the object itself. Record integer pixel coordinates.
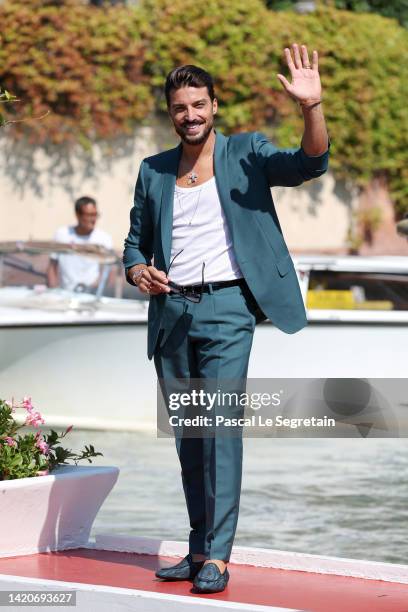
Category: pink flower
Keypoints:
(69, 429)
(34, 418)
(27, 403)
(10, 441)
(43, 446)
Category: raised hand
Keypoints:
(305, 87)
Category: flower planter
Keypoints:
(52, 512)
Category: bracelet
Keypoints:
(311, 105)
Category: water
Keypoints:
(336, 497)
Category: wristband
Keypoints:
(311, 105)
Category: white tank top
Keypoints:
(201, 230)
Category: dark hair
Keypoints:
(83, 202)
(188, 76)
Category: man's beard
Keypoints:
(194, 140)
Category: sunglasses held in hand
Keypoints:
(190, 292)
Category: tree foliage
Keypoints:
(84, 65)
(101, 72)
(398, 9)
(363, 63)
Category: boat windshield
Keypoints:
(44, 266)
(341, 290)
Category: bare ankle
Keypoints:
(219, 563)
(198, 557)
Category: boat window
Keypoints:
(22, 269)
(29, 270)
(357, 290)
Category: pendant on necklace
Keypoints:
(192, 177)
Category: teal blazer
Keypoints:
(246, 166)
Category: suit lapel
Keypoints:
(222, 179)
(169, 182)
(167, 200)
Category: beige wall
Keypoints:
(37, 191)
(315, 216)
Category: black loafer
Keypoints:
(210, 580)
(186, 569)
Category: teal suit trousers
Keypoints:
(211, 339)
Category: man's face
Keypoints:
(87, 216)
(192, 113)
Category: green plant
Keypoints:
(28, 455)
(371, 218)
(5, 97)
(364, 223)
(354, 241)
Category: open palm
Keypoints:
(305, 86)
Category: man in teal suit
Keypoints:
(206, 244)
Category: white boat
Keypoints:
(76, 353)
(82, 358)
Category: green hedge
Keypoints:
(83, 64)
(101, 72)
(397, 9)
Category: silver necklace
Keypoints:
(195, 209)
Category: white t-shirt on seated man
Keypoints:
(68, 271)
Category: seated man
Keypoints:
(69, 271)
